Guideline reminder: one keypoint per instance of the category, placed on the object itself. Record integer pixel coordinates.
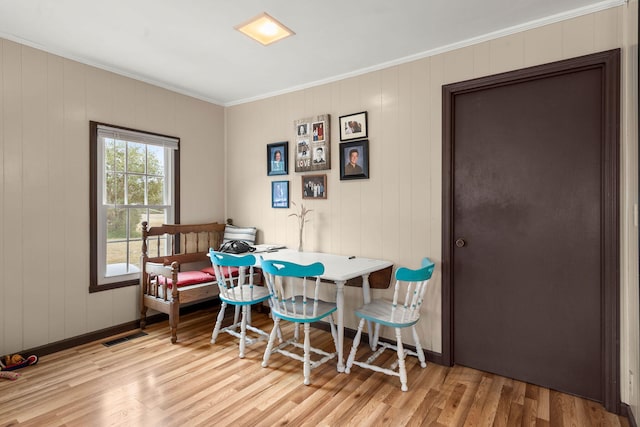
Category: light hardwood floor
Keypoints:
(149, 382)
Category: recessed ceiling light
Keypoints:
(264, 29)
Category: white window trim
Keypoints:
(171, 145)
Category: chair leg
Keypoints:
(279, 331)
(236, 316)
(216, 329)
(249, 315)
(296, 332)
(272, 337)
(307, 355)
(354, 347)
(423, 362)
(280, 339)
(376, 336)
(243, 330)
(402, 369)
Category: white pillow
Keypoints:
(246, 234)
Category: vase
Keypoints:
(300, 240)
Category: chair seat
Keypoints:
(302, 313)
(381, 311)
(245, 295)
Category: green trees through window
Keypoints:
(134, 175)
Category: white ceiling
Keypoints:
(190, 46)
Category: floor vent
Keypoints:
(124, 339)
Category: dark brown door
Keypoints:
(528, 226)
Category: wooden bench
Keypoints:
(177, 254)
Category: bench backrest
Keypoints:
(185, 243)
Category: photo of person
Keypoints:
(302, 129)
(353, 167)
(277, 158)
(318, 155)
(277, 165)
(314, 187)
(318, 131)
(354, 160)
(353, 126)
(280, 194)
(303, 148)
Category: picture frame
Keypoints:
(312, 143)
(278, 158)
(314, 186)
(280, 194)
(353, 126)
(359, 170)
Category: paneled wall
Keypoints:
(396, 214)
(46, 103)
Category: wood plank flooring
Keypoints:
(149, 382)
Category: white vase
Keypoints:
(300, 240)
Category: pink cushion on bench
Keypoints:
(186, 278)
(209, 270)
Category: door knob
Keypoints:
(460, 243)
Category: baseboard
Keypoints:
(110, 331)
(160, 317)
(625, 411)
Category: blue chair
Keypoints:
(231, 275)
(298, 303)
(412, 284)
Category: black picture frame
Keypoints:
(280, 194)
(353, 126)
(361, 170)
(274, 166)
(314, 186)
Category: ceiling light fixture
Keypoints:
(264, 29)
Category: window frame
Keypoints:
(94, 195)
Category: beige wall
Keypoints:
(396, 214)
(46, 103)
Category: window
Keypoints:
(134, 178)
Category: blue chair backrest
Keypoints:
(291, 269)
(423, 273)
(231, 272)
(274, 269)
(230, 260)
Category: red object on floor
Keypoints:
(31, 360)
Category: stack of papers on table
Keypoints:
(267, 248)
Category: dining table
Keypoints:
(337, 269)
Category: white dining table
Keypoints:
(338, 269)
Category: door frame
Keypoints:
(609, 63)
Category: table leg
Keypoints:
(340, 314)
(242, 279)
(366, 297)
